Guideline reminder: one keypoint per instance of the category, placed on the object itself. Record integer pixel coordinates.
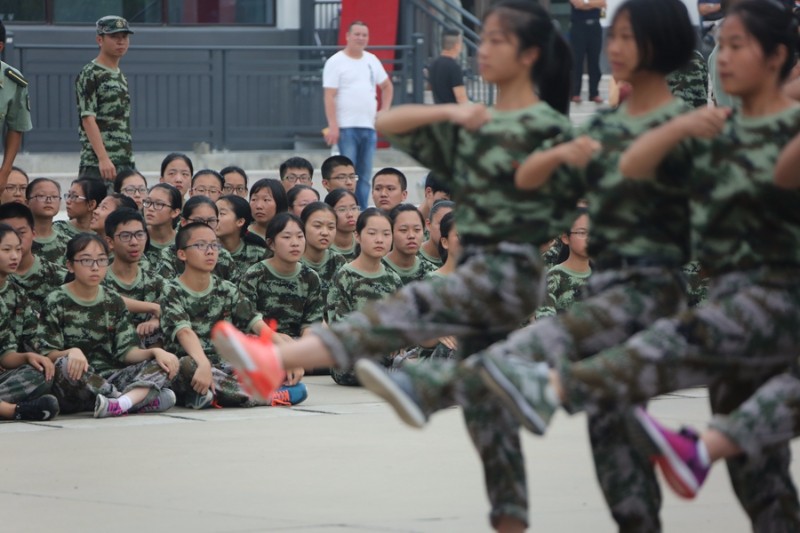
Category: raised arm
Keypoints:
(406, 118)
(536, 170)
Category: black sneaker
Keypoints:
(42, 408)
(395, 387)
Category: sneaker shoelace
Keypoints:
(280, 398)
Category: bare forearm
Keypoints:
(406, 118)
(643, 157)
(330, 109)
(191, 344)
(138, 306)
(387, 94)
(537, 169)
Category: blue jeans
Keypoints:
(358, 144)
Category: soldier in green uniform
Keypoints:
(15, 111)
(104, 105)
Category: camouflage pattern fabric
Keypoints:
(348, 253)
(52, 249)
(563, 289)
(22, 315)
(102, 328)
(326, 270)
(436, 262)
(22, 383)
(690, 83)
(697, 283)
(294, 301)
(8, 340)
(168, 266)
(146, 287)
(551, 255)
(418, 272)
(247, 255)
(103, 94)
(15, 102)
(67, 231)
(182, 307)
(228, 391)
(40, 280)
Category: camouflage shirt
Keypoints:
(146, 287)
(563, 288)
(40, 280)
(103, 93)
(690, 83)
(551, 255)
(102, 328)
(479, 168)
(326, 270)
(53, 248)
(247, 255)
(182, 308)
(419, 271)
(8, 341)
(352, 288)
(348, 253)
(23, 316)
(696, 283)
(294, 301)
(436, 262)
(168, 265)
(67, 231)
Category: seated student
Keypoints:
(35, 275)
(15, 188)
(110, 203)
(208, 183)
(140, 289)
(435, 190)
(365, 278)
(429, 251)
(235, 179)
(319, 220)
(162, 207)
(24, 375)
(564, 281)
(132, 184)
(299, 197)
(296, 171)
(267, 199)
(246, 248)
(345, 206)
(192, 304)
(84, 196)
(389, 188)
(282, 287)
(195, 209)
(87, 331)
(339, 172)
(407, 224)
(177, 170)
(44, 200)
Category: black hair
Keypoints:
(367, 214)
(294, 192)
(80, 241)
(2, 33)
(122, 200)
(773, 24)
(534, 28)
(32, 185)
(563, 253)
(296, 162)
(209, 172)
(185, 233)
(121, 216)
(175, 198)
(232, 169)
(125, 174)
(279, 223)
(332, 162)
(391, 171)
(16, 210)
(447, 223)
(404, 208)
(356, 23)
(277, 191)
(440, 204)
(93, 189)
(312, 208)
(333, 197)
(450, 38)
(436, 185)
(13, 168)
(174, 156)
(196, 201)
(5, 229)
(241, 209)
(665, 37)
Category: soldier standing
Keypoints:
(15, 111)
(104, 105)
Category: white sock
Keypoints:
(702, 453)
(125, 403)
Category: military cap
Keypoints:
(112, 24)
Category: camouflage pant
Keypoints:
(22, 383)
(491, 292)
(75, 395)
(228, 391)
(616, 304)
(747, 332)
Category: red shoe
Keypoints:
(254, 360)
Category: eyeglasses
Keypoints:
(204, 191)
(581, 233)
(210, 222)
(130, 191)
(45, 198)
(203, 246)
(11, 189)
(89, 263)
(158, 206)
(126, 236)
(73, 197)
(239, 189)
(294, 178)
(345, 210)
(344, 177)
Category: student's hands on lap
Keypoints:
(202, 379)
(42, 364)
(77, 363)
(167, 361)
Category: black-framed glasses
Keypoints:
(11, 189)
(126, 236)
(204, 246)
(89, 263)
(210, 222)
(130, 191)
(239, 189)
(158, 206)
(205, 191)
(294, 178)
(580, 233)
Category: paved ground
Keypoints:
(339, 462)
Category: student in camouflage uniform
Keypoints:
(407, 226)
(110, 203)
(162, 207)
(36, 276)
(15, 111)
(319, 220)
(746, 236)
(132, 184)
(208, 183)
(84, 196)
(87, 331)
(500, 277)
(345, 206)
(246, 248)
(104, 105)
(44, 200)
(282, 287)
(429, 251)
(267, 199)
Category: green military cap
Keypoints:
(112, 24)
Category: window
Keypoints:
(23, 10)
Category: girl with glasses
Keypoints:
(345, 206)
(44, 200)
(83, 197)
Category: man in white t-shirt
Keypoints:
(349, 80)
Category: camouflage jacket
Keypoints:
(419, 271)
(352, 288)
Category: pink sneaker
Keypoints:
(107, 407)
(679, 460)
(254, 360)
